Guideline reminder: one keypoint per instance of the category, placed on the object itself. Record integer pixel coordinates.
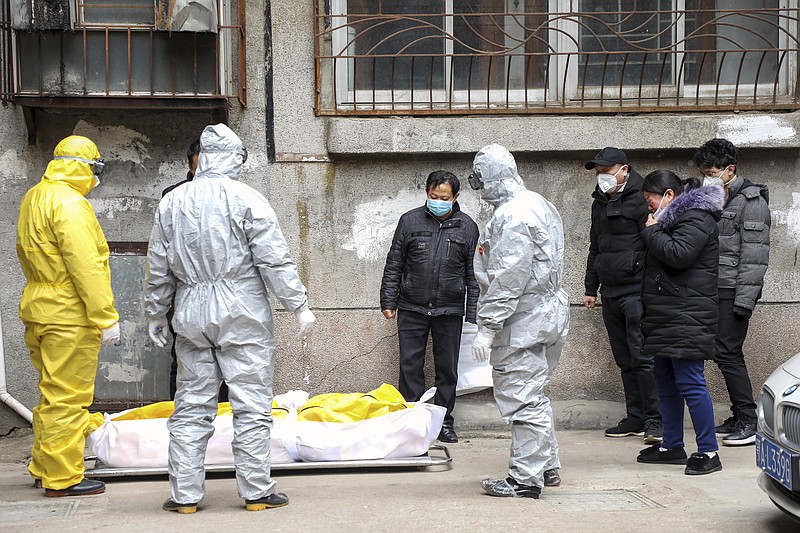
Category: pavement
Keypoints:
(603, 489)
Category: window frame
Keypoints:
(563, 71)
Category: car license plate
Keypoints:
(778, 463)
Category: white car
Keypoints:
(778, 437)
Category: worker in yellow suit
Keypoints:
(68, 310)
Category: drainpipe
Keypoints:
(5, 397)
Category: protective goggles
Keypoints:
(475, 182)
(98, 165)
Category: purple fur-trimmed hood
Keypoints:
(710, 198)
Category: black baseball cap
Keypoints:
(607, 157)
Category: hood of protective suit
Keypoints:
(221, 153)
(497, 170)
(77, 174)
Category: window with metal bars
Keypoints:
(511, 56)
(123, 48)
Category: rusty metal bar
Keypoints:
(106, 41)
(130, 79)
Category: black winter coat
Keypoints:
(429, 265)
(616, 248)
(679, 291)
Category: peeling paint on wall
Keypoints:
(116, 143)
(121, 372)
(110, 207)
(790, 217)
(12, 166)
(374, 222)
(746, 130)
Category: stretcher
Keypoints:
(438, 455)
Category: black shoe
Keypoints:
(276, 499)
(551, 478)
(653, 432)
(700, 463)
(182, 508)
(626, 428)
(37, 483)
(742, 435)
(509, 488)
(654, 455)
(448, 434)
(727, 427)
(87, 487)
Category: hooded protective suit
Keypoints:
(67, 300)
(216, 245)
(520, 267)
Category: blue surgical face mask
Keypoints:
(439, 207)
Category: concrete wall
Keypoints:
(340, 185)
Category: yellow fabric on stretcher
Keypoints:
(331, 407)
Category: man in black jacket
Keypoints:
(616, 262)
(428, 273)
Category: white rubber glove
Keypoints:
(155, 328)
(482, 345)
(306, 321)
(111, 335)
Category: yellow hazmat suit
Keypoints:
(66, 302)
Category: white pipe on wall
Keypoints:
(5, 396)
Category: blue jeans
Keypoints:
(679, 381)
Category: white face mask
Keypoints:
(658, 211)
(714, 180)
(608, 182)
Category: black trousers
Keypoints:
(413, 329)
(730, 360)
(622, 316)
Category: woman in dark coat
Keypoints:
(679, 293)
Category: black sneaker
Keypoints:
(551, 478)
(744, 434)
(87, 487)
(509, 488)
(653, 432)
(448, 434)
(626, 428)
(181, 508)
(727, 427)
(700, 463)
(654, 455)
(276, 499)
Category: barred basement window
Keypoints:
(127, 48)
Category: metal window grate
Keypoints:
(6, 68)
(791, 425)
(127, 55)
(519, 56)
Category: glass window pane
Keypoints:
(747, 42)
(119, 12)
(621, 40)
(28, 46)
(96, 61)
(398, 52)
(140, 62)
(499, 43)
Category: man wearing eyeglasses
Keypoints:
(68, 310)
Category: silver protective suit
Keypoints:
(216, 245)
(520, 267)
